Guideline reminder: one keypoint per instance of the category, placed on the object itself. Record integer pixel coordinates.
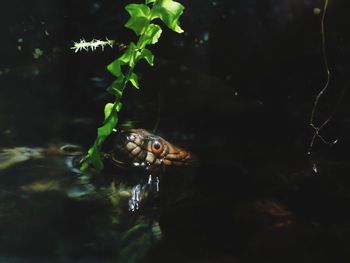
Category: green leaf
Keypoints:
(169, 12)
(115, 67)
(140, 16)
(128, 56)
(118, 107)
(117, 87)
(84, 167)
(147, 55)
(109, 107)
(138, 10)
(134, 79)
(93, 158)
(151, 36)
(126, 59)
(108, 126)
(153, 33)
(150, 1)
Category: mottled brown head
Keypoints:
(138, 147)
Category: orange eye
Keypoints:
(157, 147)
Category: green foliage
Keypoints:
(139, 17)
(140, 21)
(169, 12)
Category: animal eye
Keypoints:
(157, 147)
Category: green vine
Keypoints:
(123, 68)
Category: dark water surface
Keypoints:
(237, 89)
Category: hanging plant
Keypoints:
(141, 21)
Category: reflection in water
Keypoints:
(140, 192)
(135, 198)
(15, 155)
(12, 156)
(46, 180)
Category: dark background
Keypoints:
(237, 88)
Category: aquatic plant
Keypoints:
(141, 21)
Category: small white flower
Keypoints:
(92, 45)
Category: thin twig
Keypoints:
(325, 60)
